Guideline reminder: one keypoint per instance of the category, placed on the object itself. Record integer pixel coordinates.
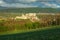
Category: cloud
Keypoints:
(29, 3)
(20, 1)
(53, 5)
(5, 4)
(17, 5)
(1, 2)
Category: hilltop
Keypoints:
(30, 10)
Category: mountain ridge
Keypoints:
(31, 10)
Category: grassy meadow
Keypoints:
(45, 34)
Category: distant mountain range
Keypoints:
(30, 10)
(1, 8)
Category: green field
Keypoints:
(52, 33)
(5, 32)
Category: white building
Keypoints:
(21, 17)
(31, 16)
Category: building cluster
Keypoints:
(31, 16)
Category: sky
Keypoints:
(30, 3)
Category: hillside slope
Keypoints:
(31, 10)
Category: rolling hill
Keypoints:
(31, 10)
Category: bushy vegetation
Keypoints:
(45, 21)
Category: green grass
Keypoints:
(51, 33)
(29, 30)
